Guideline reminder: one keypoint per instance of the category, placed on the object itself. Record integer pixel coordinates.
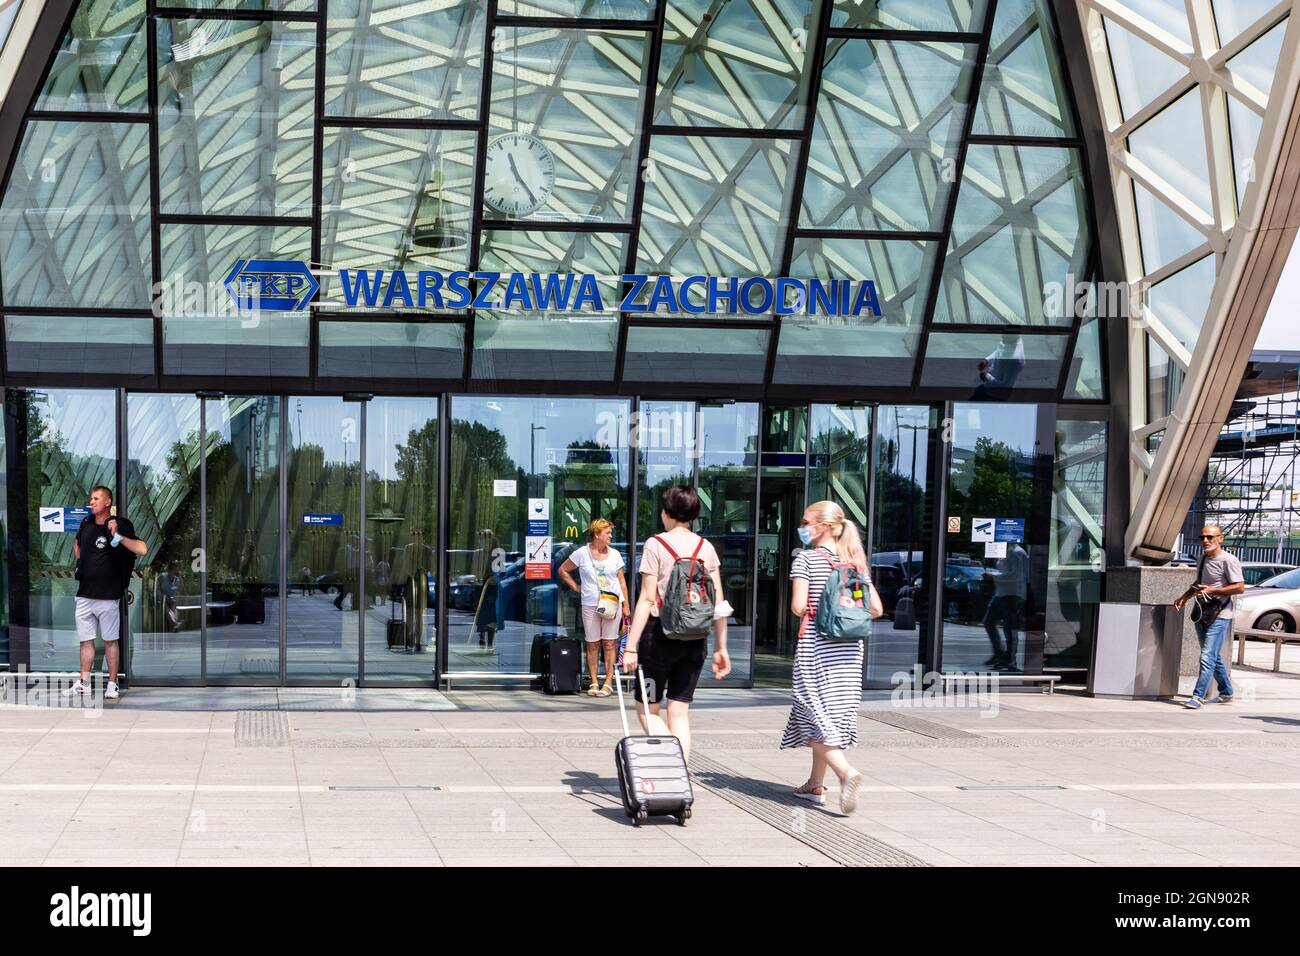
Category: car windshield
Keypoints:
(1288, 579)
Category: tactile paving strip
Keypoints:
(261, 728)
(919, 725)
(803, 821)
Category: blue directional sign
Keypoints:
(271, 285)
(322, 519)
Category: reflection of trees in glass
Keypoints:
(404, 511)
(243, 517)
(901, 504)
(59, 475)
(320, 486)
(994, 481)
(479, 455)
(589, 452)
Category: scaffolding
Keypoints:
(1251, 486)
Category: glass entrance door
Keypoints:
(318, 572)
(242, 539)
(529, 475)
(994, 575)
(323, 601)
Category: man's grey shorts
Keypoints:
(90, 610)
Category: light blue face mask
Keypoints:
(805, 535)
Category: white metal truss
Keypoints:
(1194, 38)
(17, 21)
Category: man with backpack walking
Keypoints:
(680, 602)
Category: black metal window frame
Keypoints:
(800, 140)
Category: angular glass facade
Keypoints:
(933, 149)
(934, 152)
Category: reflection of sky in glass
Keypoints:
(1011, 425)
(1141, 71)
(1172, 144)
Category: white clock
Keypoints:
(519, 174)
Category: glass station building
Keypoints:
(288, 470)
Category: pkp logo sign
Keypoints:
(271, 285)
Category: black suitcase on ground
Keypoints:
(561, 666)
(536, 656)
(396, 623)
(652, 774)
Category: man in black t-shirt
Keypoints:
(106, 549)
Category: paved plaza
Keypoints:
(497, 777)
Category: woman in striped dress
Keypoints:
(827, 674)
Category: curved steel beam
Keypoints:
(1259, 246)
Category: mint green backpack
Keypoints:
(844, 611)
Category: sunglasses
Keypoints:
(1210, 537)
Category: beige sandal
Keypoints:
(605, 691)
(815, 794)
(593, 690)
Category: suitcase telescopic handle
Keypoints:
(622, 707)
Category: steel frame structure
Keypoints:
(1249, 241)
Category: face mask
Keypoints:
(805, 535)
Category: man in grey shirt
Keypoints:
(1218, 579)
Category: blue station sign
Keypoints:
(271, 285)
(288, 286)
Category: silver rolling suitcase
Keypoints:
(652, 773)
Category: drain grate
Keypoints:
(380, 789)
(919, 725)
(261, 728)
(259, 665)
(1013, 787)
(775, 806)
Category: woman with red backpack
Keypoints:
(679, 603)
(828, 659)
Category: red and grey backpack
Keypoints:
(686, 608)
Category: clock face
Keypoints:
(519, 174)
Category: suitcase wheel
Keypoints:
(683, 817)
(640, 818)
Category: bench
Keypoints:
(1277, 637)
(997, 677)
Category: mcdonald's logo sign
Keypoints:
(571, 531)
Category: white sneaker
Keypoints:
(80, 687)
(849, 792)
(110, 692)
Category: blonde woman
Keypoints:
(827, 674)
(601, 570)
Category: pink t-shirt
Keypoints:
(657, 561)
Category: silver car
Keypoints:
(1271, 605)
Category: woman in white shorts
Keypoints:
(603, 589)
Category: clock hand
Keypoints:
(515, 170)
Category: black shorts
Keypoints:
(670, 667)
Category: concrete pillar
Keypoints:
(1143, 646)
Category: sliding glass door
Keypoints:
(291, 540)
(323, 601)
